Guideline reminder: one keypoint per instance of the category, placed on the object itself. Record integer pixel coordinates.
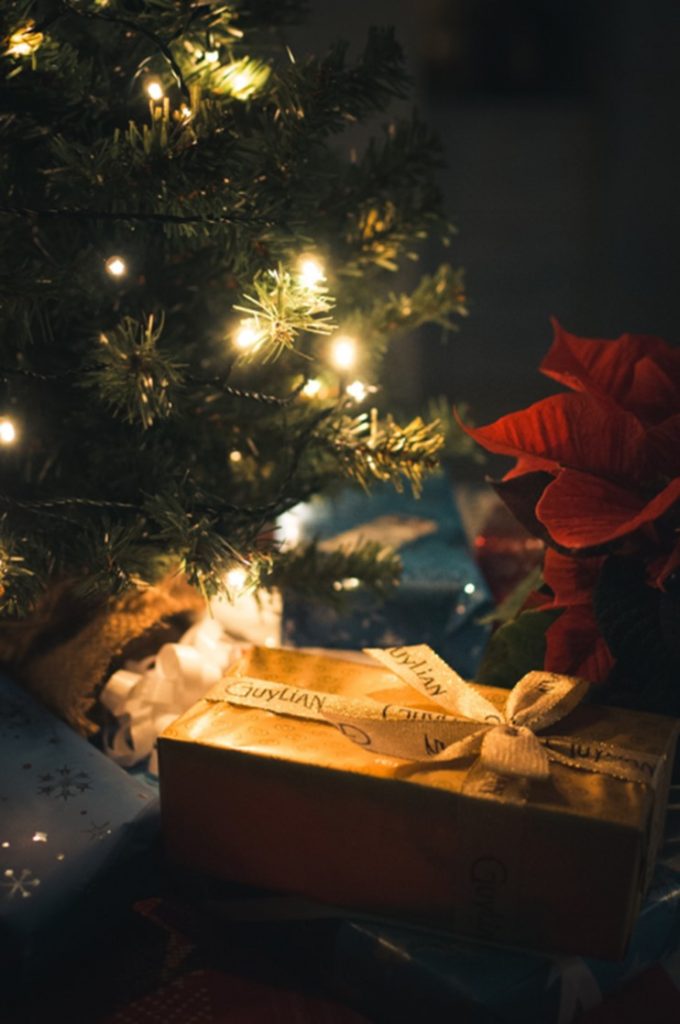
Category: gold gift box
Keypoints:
(292, 805)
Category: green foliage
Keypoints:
(131, 375)
(333, 576)
(147, 438)
(365, 448)
(516, 648)
(19, 584)
(281, 309)
(511, 606)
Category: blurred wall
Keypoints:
(559, 119)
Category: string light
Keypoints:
(236, 579)
(241, 79)
(312, 387)
(154, 90)
(343, 353)
(235, 455)
(211, 56)
(116, 266)
(241, 83)
(8, 431)
(24, 42)
(310, 272)
(348, 583)
(357, 390)
(292, 525)
(248, 334)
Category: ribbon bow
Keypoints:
(468, 723)
(505, 739)
(146, 696)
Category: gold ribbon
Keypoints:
(505, 741)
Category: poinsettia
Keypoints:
(597, 474)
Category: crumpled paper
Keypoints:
(146, 696)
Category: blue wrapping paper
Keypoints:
(76, 833)
(441, 594)
(409, 971)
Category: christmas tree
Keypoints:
(197, 291)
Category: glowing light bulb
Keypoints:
(212, 56)
(357, 390)
(8, 431)
(312, 387)
(241, 84)
(236, 579)
(291, 530)
(235, 455)
(154, 90)
(293, 525)
(116, 266)
(248, 334)
(343, 353)
(240, 79)
(24, 42)
(348, 583)
(311, 272)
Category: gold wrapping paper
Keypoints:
(292, 805)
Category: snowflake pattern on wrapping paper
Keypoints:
(96, 833)
(22, 884)
(13, 717)
(64, 783)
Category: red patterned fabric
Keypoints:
(210, 997)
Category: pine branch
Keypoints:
(20, 585)
(182, 447)
(132, 375)
(367, 449)
(333, 576)
(121, 217)
(280, 309)
(137, 27)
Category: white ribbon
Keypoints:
(145, 697)
(579, 990)
(468, 724)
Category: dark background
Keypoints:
(559, 119)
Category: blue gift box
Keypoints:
(441, 594)
(76, 834)
(409, 972)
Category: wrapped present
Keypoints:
(446, 810)
(404, 969)
(442, 592)
(75, 836)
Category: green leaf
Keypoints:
(510, 606)
(516, 648)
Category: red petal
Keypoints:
(653, 394)
(521, 468)
(571, 580)
(581, 511)
(663, 445)
(576, 431)
(575, 647)
(608, 368)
